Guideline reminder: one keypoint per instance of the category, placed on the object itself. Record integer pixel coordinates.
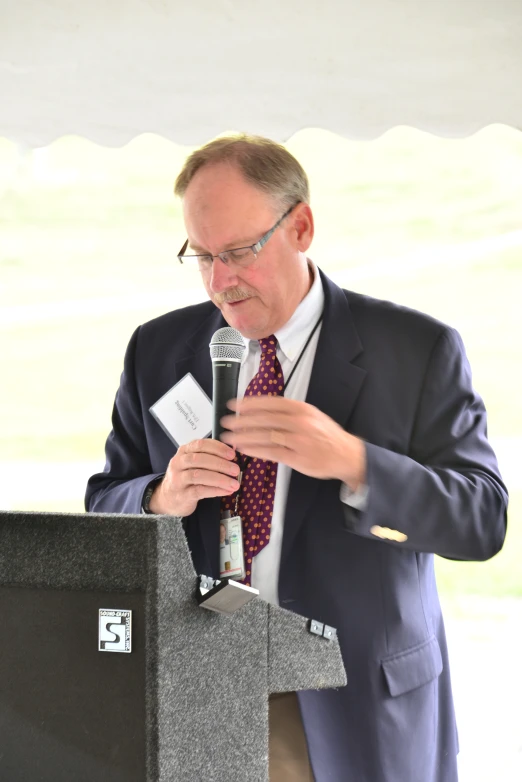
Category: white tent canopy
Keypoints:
(189, 69)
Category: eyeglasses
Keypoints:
(239, 256)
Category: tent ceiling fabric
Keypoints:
(112, 69)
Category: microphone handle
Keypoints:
(225, 374)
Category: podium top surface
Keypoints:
(83, 551)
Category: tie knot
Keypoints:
(268, 345)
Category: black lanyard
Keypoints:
(301, 354)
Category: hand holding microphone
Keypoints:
(205, 468)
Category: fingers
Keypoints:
(268, 453)
(206, 463)
(207, 446)
(297, 434)
(211, 479)
(259, 420)
(267, 412)
(199, 462)
(271, 404)
(266, 436)
(280, 430)
(266, 427)
(256, 442)
(205, 492)
(199, 469)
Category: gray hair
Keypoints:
(264, 163)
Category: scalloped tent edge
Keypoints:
(112, 71)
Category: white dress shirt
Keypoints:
(291, 340)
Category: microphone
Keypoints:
(226, 350)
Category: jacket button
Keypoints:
(385, 533)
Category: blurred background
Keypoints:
(88, 243)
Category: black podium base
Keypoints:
(69, 713)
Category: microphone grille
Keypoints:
(227, 343)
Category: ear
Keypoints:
(303, 225)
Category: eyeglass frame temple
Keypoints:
(264, 239)
(180, 254)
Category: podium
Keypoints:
(187, 703)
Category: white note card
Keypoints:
(184, 412)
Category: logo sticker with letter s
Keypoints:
(114, 630)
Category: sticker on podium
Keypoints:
(115, 629)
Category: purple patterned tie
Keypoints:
(256, 499)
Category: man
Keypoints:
(370, 445)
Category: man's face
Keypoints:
(223, 211)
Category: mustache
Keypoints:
(234, 294)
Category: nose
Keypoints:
(222, 276)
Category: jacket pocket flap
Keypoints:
(412, 668)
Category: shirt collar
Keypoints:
(292, 336)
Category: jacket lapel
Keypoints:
(335, 384)
(197, 359)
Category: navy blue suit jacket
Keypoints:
(401, 381)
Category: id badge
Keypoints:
(231, 557)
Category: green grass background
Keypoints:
(82, 223)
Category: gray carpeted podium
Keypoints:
(189, 703)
